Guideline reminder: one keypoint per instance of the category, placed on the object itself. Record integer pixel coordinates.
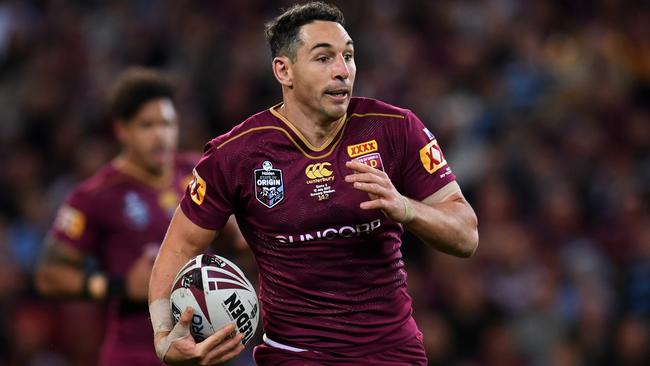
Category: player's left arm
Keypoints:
(444, 220)
(173, 343)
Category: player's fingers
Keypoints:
(218, 337)
(361, 167)
(186, 317)
(372, 188)
(182, 328)
(378, 204)
(225, 350)
(178, 342)
(231, 354)
(366, 177)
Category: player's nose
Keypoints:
(162, 131)
(341, 69)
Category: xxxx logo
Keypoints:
(362, 148)
(318, 170)
(431, 157)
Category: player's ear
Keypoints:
(282, 71)
(119, 129)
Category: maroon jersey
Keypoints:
(115, 217)
(331, 274)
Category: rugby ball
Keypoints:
(219, 293)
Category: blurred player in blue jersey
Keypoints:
(322, 185)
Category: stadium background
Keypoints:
(541, 107)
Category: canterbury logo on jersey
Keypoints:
(197, 188)
(362, 148)
(431, 157)
(318, 170)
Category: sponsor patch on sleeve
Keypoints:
(431, 157)
(428, 133)
(197, 188)
(71, 222)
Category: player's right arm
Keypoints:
(175, 346)
(60, 273)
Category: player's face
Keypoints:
(324, 70)
(151, 135)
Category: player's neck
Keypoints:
(316, 130)
(130, 166)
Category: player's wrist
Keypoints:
(161, 319)
(98, 286)
(95, 286)
(165, 333)
(408, 211)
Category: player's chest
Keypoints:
(138, 210)
(306, 190)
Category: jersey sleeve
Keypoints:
(207, 199)
(424, 168)
(76, 224)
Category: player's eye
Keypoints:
(145, 125)
(322, 59)
(348, 57)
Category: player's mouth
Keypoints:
(338, 95)
(161, 154)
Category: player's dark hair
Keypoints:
(135, 87)
(282, 32)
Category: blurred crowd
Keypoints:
(542, 108)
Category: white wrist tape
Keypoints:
(408, 211)
(161, 315)
(179, 331)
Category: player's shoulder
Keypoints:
(97, 185)
(361, 107)
(250, 130)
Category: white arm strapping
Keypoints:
(408, 211)
(161, 315)
(179, 331)
(161, 320)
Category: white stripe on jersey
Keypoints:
(275, 344)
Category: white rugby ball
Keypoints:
(219, 293)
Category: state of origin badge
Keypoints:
(269, 187)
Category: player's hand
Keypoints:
(137, 278)
(381, 191)
(216, 349)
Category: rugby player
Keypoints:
(119, 216)
(323, 185)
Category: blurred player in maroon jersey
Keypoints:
(120, 215)
(322, 186)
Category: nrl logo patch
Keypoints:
(269, 188)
